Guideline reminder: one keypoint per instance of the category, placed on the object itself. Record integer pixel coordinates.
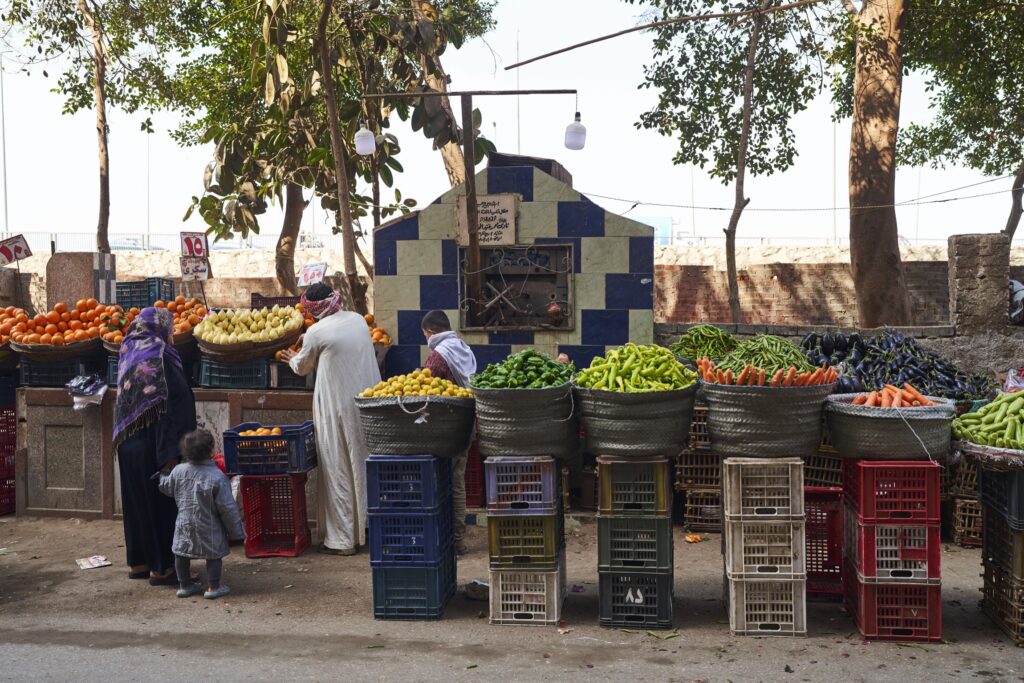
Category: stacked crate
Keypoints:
(892, 549)
(526, 540)
(765, 560)
(824, 468)
(8, 441)
(1002, 497)
(635, 547)
(699, 476)
(823, 506)
(967, 517)
(412, 535)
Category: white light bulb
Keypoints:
(365, 143)
(575, 134)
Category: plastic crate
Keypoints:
(634, 486)
(260, 301)
(276, 520)
(522, 485)
(143, 293)
(474, 477)
(824, 535)
(415, 539)
(1002, 546)
(525, 541)
(407, 482)
(291, 452)
(823, 469)
(8, 426)
(699, 428)
(703, 510)
(759, 549)
(1003, 602)
(963, 478)
(905, 553)
(699, 468)
(633, 600)
(414, 593)
(967, 524)
(898, 612)
(879, 491)
(250, 374)
(757, 488)
(768, 607)
(1004, 491)
(7, 490)
(634, 544)
(54, 374)
(528, 597)
(112, 362)
(282, 377)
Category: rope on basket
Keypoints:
(899, 412)
(414, 412)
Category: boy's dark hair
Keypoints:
(436, 321)
(197, 446)
(318, 291)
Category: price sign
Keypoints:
(312, 273)
(14, 249)
(194, 244)
(194, 269)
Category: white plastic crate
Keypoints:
(765, 549)
(768, 607)
(763, 488)
(526, 597)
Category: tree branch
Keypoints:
(1016, 204)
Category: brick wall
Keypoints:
(789, 294)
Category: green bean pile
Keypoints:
(767, 352)
(704, 341)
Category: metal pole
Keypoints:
(518, 149)
(835, 212)
(3, 138)
(473, 257)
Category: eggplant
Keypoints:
(826, 344)
(839, 342)
(810, 341)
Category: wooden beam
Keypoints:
(474, 291)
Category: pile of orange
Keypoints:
(378, 334)
(187, 313)
(262, 431)
(9, 317)
(87, 319)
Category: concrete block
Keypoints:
(393, 293)
(419, 257)
(536, 219)
(437, 222)
(605, 255)
(641, 326)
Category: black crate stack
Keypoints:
(1002, 499)
(635, 547)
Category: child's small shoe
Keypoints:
(194, 589)
(219, 593)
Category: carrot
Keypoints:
(860, 400)
(743, 375)
(916, 403)
(788, 381)
(886, 400)
(908, 398)
(709, 376)
(917, 394)
(801, 379)
(897, 399)
(760, 377)
(816, 377)
(872, 399)
(891, 387)
(728, 377)
(721, 377)
(777, 378)
(830, 375)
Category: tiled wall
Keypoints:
(416, 266)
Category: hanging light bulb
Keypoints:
(575, 134)
(364, 139)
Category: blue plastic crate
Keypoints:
(1004, 491)
(292, 452)
(143, 293)
(250, 374)
(409, 539)
(407, 482)
(112, 371)
(414, 593)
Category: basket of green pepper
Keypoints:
(524, 407)
(636, 401)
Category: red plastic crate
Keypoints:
(910, 553)
(6, 480)
(824, 539)
(8, 426)
(474, 478)
(880, 491)
(898, 612)
(276, 523)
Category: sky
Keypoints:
(52, 179)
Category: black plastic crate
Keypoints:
(260, 301)
(414, 593)
(631, 600)
(282, 377)
(112, 371)
(143, 293)
(291, 452)
(56, 374)
(250, 374)
(634, 544)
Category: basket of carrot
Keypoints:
(893, 423)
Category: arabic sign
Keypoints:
(312, 273)
(194, 244)
(194, 268)
(14, 249)
(496, 220)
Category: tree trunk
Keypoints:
(284, 255)
(1016, 204)
(878, 276)
(357, 300)
(451, 154)
(741, 168)
(99, 60)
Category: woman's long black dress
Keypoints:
(148, 514)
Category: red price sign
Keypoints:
(194, 244)
(14, 249)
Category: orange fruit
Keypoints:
(32, 339)
(300, 308)
(39, 320)
(20, 326)
(76, 314)
(93, 332)
(57, 340)
(193, 320)
(9, 310)
(92, 303)
(45, 339)
(369, 318)
(277, 355)
(81, 335)
(100, 309)
(308, 322)
(53, 317)
(21, 318)
(62, 326)
(7, 328)
(118, 338)
(179, 299)
(81, 305)
(184, 327)
(49, 329)
(172, 307)
(160, 303)
(61, 308)
(276, 431)
(76, 325)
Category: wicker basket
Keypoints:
(45, 353)
(764, 422)
(636, 425)
(527, 422)
(871, 433)
(236, 353)
(415, 425)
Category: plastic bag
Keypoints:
(1016, 303)
(1014, 380)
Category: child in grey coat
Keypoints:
(207, 515)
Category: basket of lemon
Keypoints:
(416, 414)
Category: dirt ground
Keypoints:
(310, 618)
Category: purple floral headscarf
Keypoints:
(141, 375)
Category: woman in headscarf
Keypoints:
(154, 409)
